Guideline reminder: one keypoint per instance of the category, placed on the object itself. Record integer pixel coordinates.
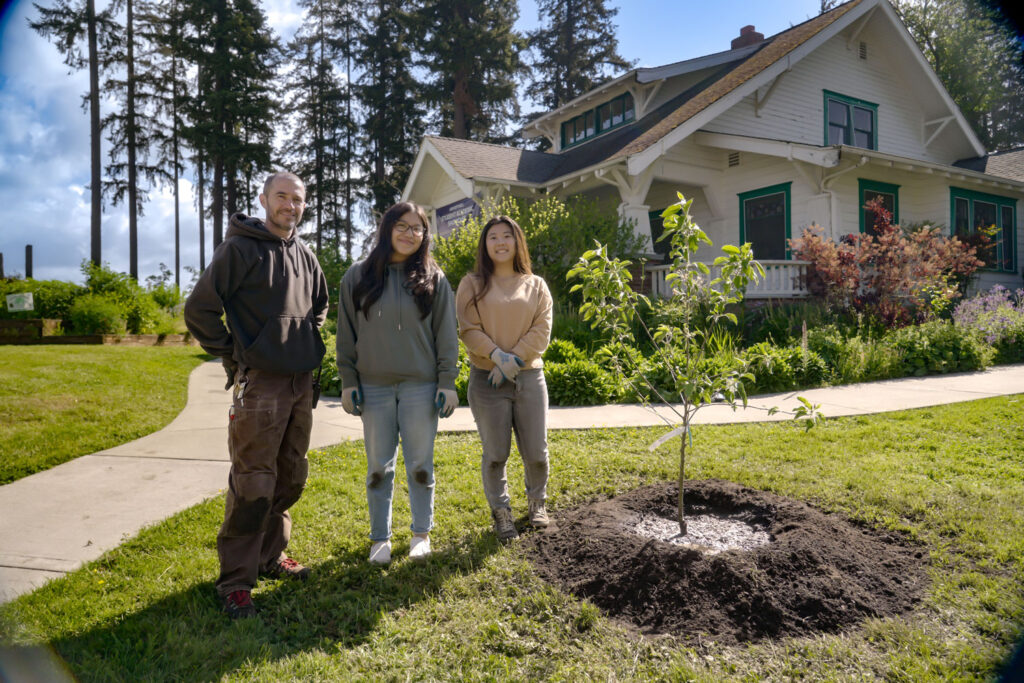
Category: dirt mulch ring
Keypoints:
(820, 572)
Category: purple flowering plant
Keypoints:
(997, 316)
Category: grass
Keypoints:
(950, 477)
(60, 402)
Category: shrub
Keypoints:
(785, 368)
(462, 379)
(50, 298)
(138, 309)
(96, 314)
(569, 326)
(330, 380)
(560, 351)
(556, 231)
(895, 275)
(939, 346)
(997, 316)
(578, 383)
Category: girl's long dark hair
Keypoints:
(485, 266)
(421, 272)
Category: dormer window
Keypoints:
(591, 123)
(849, 121)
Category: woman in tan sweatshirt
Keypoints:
(504, 313)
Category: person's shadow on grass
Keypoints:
(186, 636)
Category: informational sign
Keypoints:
(20, 302)
(455, 214)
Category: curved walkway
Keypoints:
(54, 521)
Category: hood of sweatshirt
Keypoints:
(250, 226)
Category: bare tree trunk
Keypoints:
(94, 134)
(133, 191)
(682, 480)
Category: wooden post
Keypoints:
(1, 265)
(28, 261)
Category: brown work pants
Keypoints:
(268, 436)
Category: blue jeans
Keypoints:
(405, 410)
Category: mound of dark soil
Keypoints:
(820, 573)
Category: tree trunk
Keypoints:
(133, 192)
(217, 202)
(94, 134)
(682, 480)
(202, 215)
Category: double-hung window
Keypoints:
(764, 221)
(849, 121)
(888, 194)
(972, 212)
(616, 112)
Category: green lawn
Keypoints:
(951, 477)
(60, 402)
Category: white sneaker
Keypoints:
(419, 548)
(380, 552)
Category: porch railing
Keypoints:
(782, 280)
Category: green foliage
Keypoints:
(853, 358)
(578, 383)
(51, 298)
(462, 379)
(330, 380)
(561, 351)
(785, 368)
(555, 232)
(939, 347)
(569, 325)
(334, 267)
(96, 314)
(138, 309)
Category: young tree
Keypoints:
(471, 51)
(389, 96)
(66, 24)
(979, 60)
(683, 345)
(574, 50)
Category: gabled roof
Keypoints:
(732, 75)
(1009, 164)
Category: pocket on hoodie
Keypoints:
(286, 344)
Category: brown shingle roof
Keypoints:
(775, 48)
(1003, 164)
(481, 159)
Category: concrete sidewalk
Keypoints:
(55, 521)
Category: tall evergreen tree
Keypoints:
(230, 113)
(575, 49)
(163, 77)
(388, 95)
(979, 60)
(471, 52)
(67, 24)
(318, 148)
(134, 130)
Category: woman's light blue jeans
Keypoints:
(405, 410)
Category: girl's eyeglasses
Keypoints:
(403, 227)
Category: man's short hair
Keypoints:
(281, 174)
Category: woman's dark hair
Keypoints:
(485, 266)
(421, 272)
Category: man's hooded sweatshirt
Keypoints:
(273, 294)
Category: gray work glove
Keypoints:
(230, 368)
(508, 362)
(495, 378)
(446, 401)
(352, 400)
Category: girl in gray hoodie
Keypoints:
(398, 359)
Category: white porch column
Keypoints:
(639, 216)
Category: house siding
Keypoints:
(795, 110)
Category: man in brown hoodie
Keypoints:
(270, 289)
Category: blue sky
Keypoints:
(44, 132)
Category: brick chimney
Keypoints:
(748, 36)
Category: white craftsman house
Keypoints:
(768, 137)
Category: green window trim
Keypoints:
(851, 103)
(628, 114)
(784, 188)
(1005, 240)
(865, 185)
